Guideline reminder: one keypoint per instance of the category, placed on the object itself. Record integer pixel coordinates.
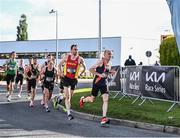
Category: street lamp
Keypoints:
(51, 12)
(100, 37)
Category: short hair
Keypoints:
(13, 52)
(73, 46)
(107, 51)
(49, 55)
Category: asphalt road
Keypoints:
(18, 120)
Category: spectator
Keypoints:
(156, 64)
(140, 64)
(129, 61)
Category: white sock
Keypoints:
(68, 112)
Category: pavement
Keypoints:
(114, 121)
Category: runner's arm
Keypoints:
(60, 66)
(83, 65)
(93, 68)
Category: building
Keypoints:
(88, 49)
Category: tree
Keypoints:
(169, 54)
(22, 34)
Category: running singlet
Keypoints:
(33, 72)
(20, 71)
(11, 67)
(49, 76)
(71, 68)
(101, 70)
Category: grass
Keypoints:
(149, 113)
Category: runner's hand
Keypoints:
(62, 74)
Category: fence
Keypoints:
(149, 82)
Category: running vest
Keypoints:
(49, 76)
(71, 68)
(98, 80)
(20, 71)
(11, 67)
(33, 72)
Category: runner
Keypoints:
(49, 58)
(49, 74)
(10, 67)
(101, 70)
(27, 70)
(72, 63)
(19, 77)
(33, 77)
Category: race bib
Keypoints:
(20, 72)
(49, 79)
(71, 70)
(33, 76)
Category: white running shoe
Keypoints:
(42, 102)
(19, 95)
(9, 98)
(31, 104)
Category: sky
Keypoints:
(139, 22)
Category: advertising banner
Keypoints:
(158, 82)
(114, 80)
(133, 80)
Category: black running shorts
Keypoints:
(97, 88)
(10, 78)
(67, 82)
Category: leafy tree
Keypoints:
(169, 54)
(22, 34)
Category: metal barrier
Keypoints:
(151, 82)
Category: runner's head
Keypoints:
(49, 57)
(74, 50)
(107, 54)
(13, 54)
(21, 62)
(50, 64)
(35, 60)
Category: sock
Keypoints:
(68, 112)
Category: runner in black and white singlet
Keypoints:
(33, 77)
(49, 74)
(19, 77)
(49, 58)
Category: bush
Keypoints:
(169, 54)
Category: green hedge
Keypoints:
(169, 54)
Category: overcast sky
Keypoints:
(139, 22)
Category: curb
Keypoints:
(134, 124)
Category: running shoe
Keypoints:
(47, 109)
(9, 98)
(81, 103)
(105, 120)
(31, 104)
(55, 102)
(19, 95)
(42, 102)
(70, 117)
